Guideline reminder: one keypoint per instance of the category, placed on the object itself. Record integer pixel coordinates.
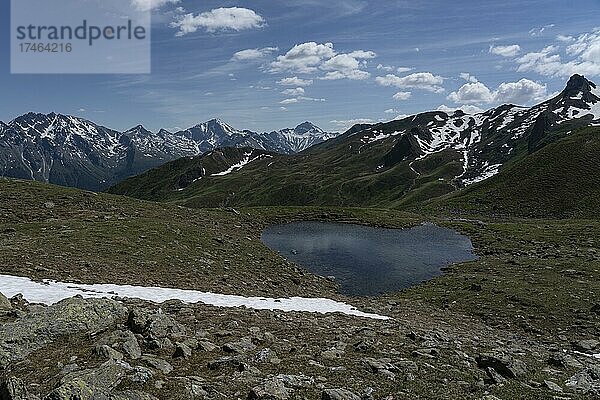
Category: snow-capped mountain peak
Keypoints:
(308, 128)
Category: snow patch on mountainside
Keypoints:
(488, 172)
(51, 292)
(379, 136)
(247, 160)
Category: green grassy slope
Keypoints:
(346, 174)
(560, 180)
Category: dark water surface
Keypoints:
(370, 261)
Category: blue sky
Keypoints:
(354, 60)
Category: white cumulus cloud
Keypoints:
(304, 58)
(402, 96)
(581, 56)
(419, 80)
(294, 92)
(521, 92)
(219, 19)
(312, 57)
(295, 81)
(506, 51)
(472, 93)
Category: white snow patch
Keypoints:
(379, 136)
(236, 167)
(488, 172)
(51, 292)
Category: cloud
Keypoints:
(295, 100)
(253, 54)
(402, 96)
(420, 80)
(469, 109)
(295, 81)
(402, 70)
(391, 111)
(521, 92)
(147, 5)
(311, 57)
(347, 66)
(582, 56)
(538, 31)
(472, 93)
(311, 99)
(468, 77)
(219, 19)
(303, 58)
(294, 92)
(565, 38)
(388, 68)
(506, 51)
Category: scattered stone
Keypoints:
(207, 346)
(131, 347)
(296, 381)
(267, 355)
(158, 364)
(586, 381)
(141, 375)
(154, 325)
(227, 363)
(339, 394)
(271, 389)
(552, 386)
(240, 347)
(43, 325)
(586, 345)
(564, 361)
(5, 304)
(495, 377)
(182, 350)
(108, 352)
(427, 353)
(505, 365)
(382, 366)
(49, 205)
(90, 383)
(333, 354)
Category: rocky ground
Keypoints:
(107, 349)
(522, 322)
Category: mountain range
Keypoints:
(72, 151)
(393, 164)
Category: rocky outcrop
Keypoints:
(43, 325)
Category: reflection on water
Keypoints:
(370, 261)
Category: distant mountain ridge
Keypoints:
(393, 164)
(72, 151)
